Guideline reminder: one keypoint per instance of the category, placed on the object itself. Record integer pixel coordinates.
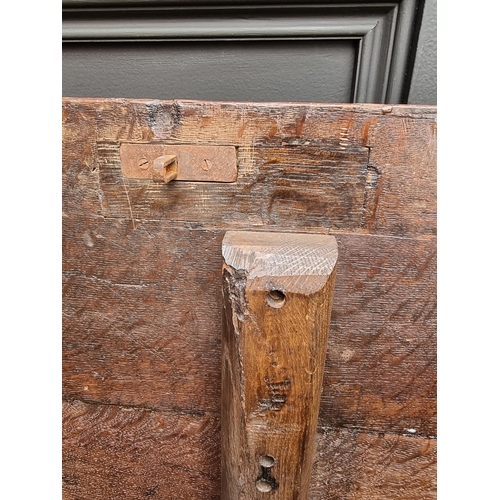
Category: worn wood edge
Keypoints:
(199, 122)
(404, 110)
(279, 254)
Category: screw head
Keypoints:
(143, 163)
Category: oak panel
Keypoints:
(112, 452)
(143, 304)
(352, 465)
(375, 164)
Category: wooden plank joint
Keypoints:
(278, 291)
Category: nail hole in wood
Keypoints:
(266, 482)
(264, 486)
(266, 461)
(276, 298)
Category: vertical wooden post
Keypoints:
(278, 292)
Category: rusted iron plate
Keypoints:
(165, 168)
(194, 163)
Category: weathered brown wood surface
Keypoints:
(115, 451)
(278, 292)
(142, 292)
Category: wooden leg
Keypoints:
(278, 291)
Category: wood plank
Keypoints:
(352, 465)
(374, 182)
(381, 363)
(278, 292)
(128, 453)
(401, 140)
(142, 307)
(142, 291)
(132, 453)
(403, 201)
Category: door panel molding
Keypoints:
(384, 32)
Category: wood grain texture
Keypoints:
(137, 303)
(278, 292)
(376, 164)
(274, 185)
(124, 453)
(381, 363)
(351, 465)
(404, 199)
(142, 297)
(410, 162)
(144, 304)
(112, 453)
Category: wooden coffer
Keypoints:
(142, 306)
